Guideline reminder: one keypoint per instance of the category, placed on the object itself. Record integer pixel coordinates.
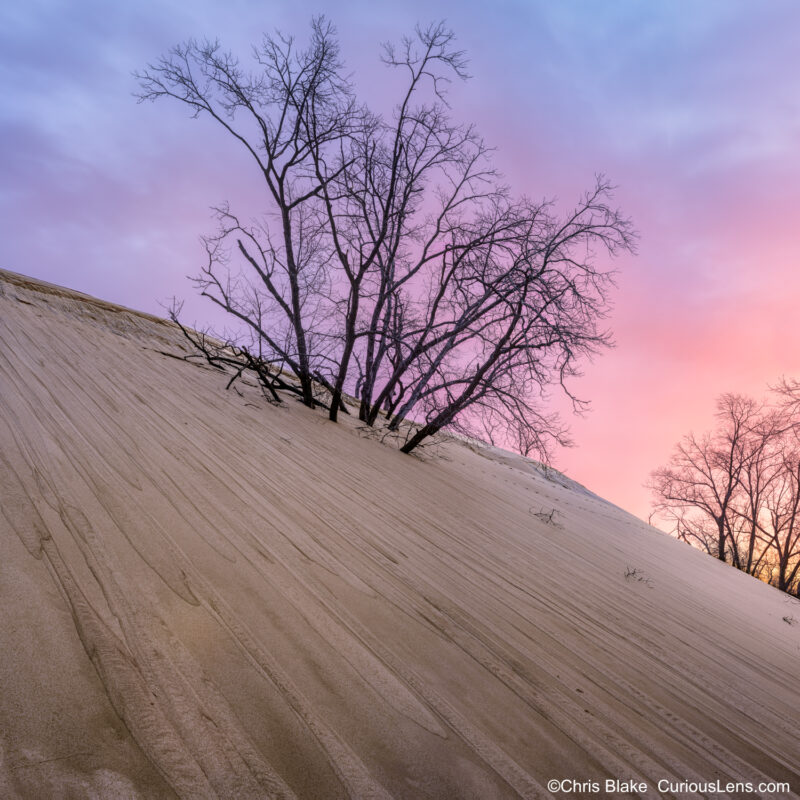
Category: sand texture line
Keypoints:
(210, 597)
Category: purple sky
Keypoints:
(691, 108)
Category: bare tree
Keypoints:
(696, 490)
(783, 503)
(525, 307)
(735, 492)
(390, 246)
(779, 523)
(288, 116)
(376, 209)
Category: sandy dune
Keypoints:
(206, 596)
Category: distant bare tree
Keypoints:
(735, 492)
(779, 524)
(783, 503)
(696, 490)
(787, 392)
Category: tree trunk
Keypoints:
(349, 343)
(419, 436)
(721, 540)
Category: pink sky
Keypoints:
(692, 109)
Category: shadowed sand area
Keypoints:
(207, 596)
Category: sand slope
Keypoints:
(206, 596)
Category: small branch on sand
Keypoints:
(636, 575)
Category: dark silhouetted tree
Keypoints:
(390, 261)
(696, 489)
